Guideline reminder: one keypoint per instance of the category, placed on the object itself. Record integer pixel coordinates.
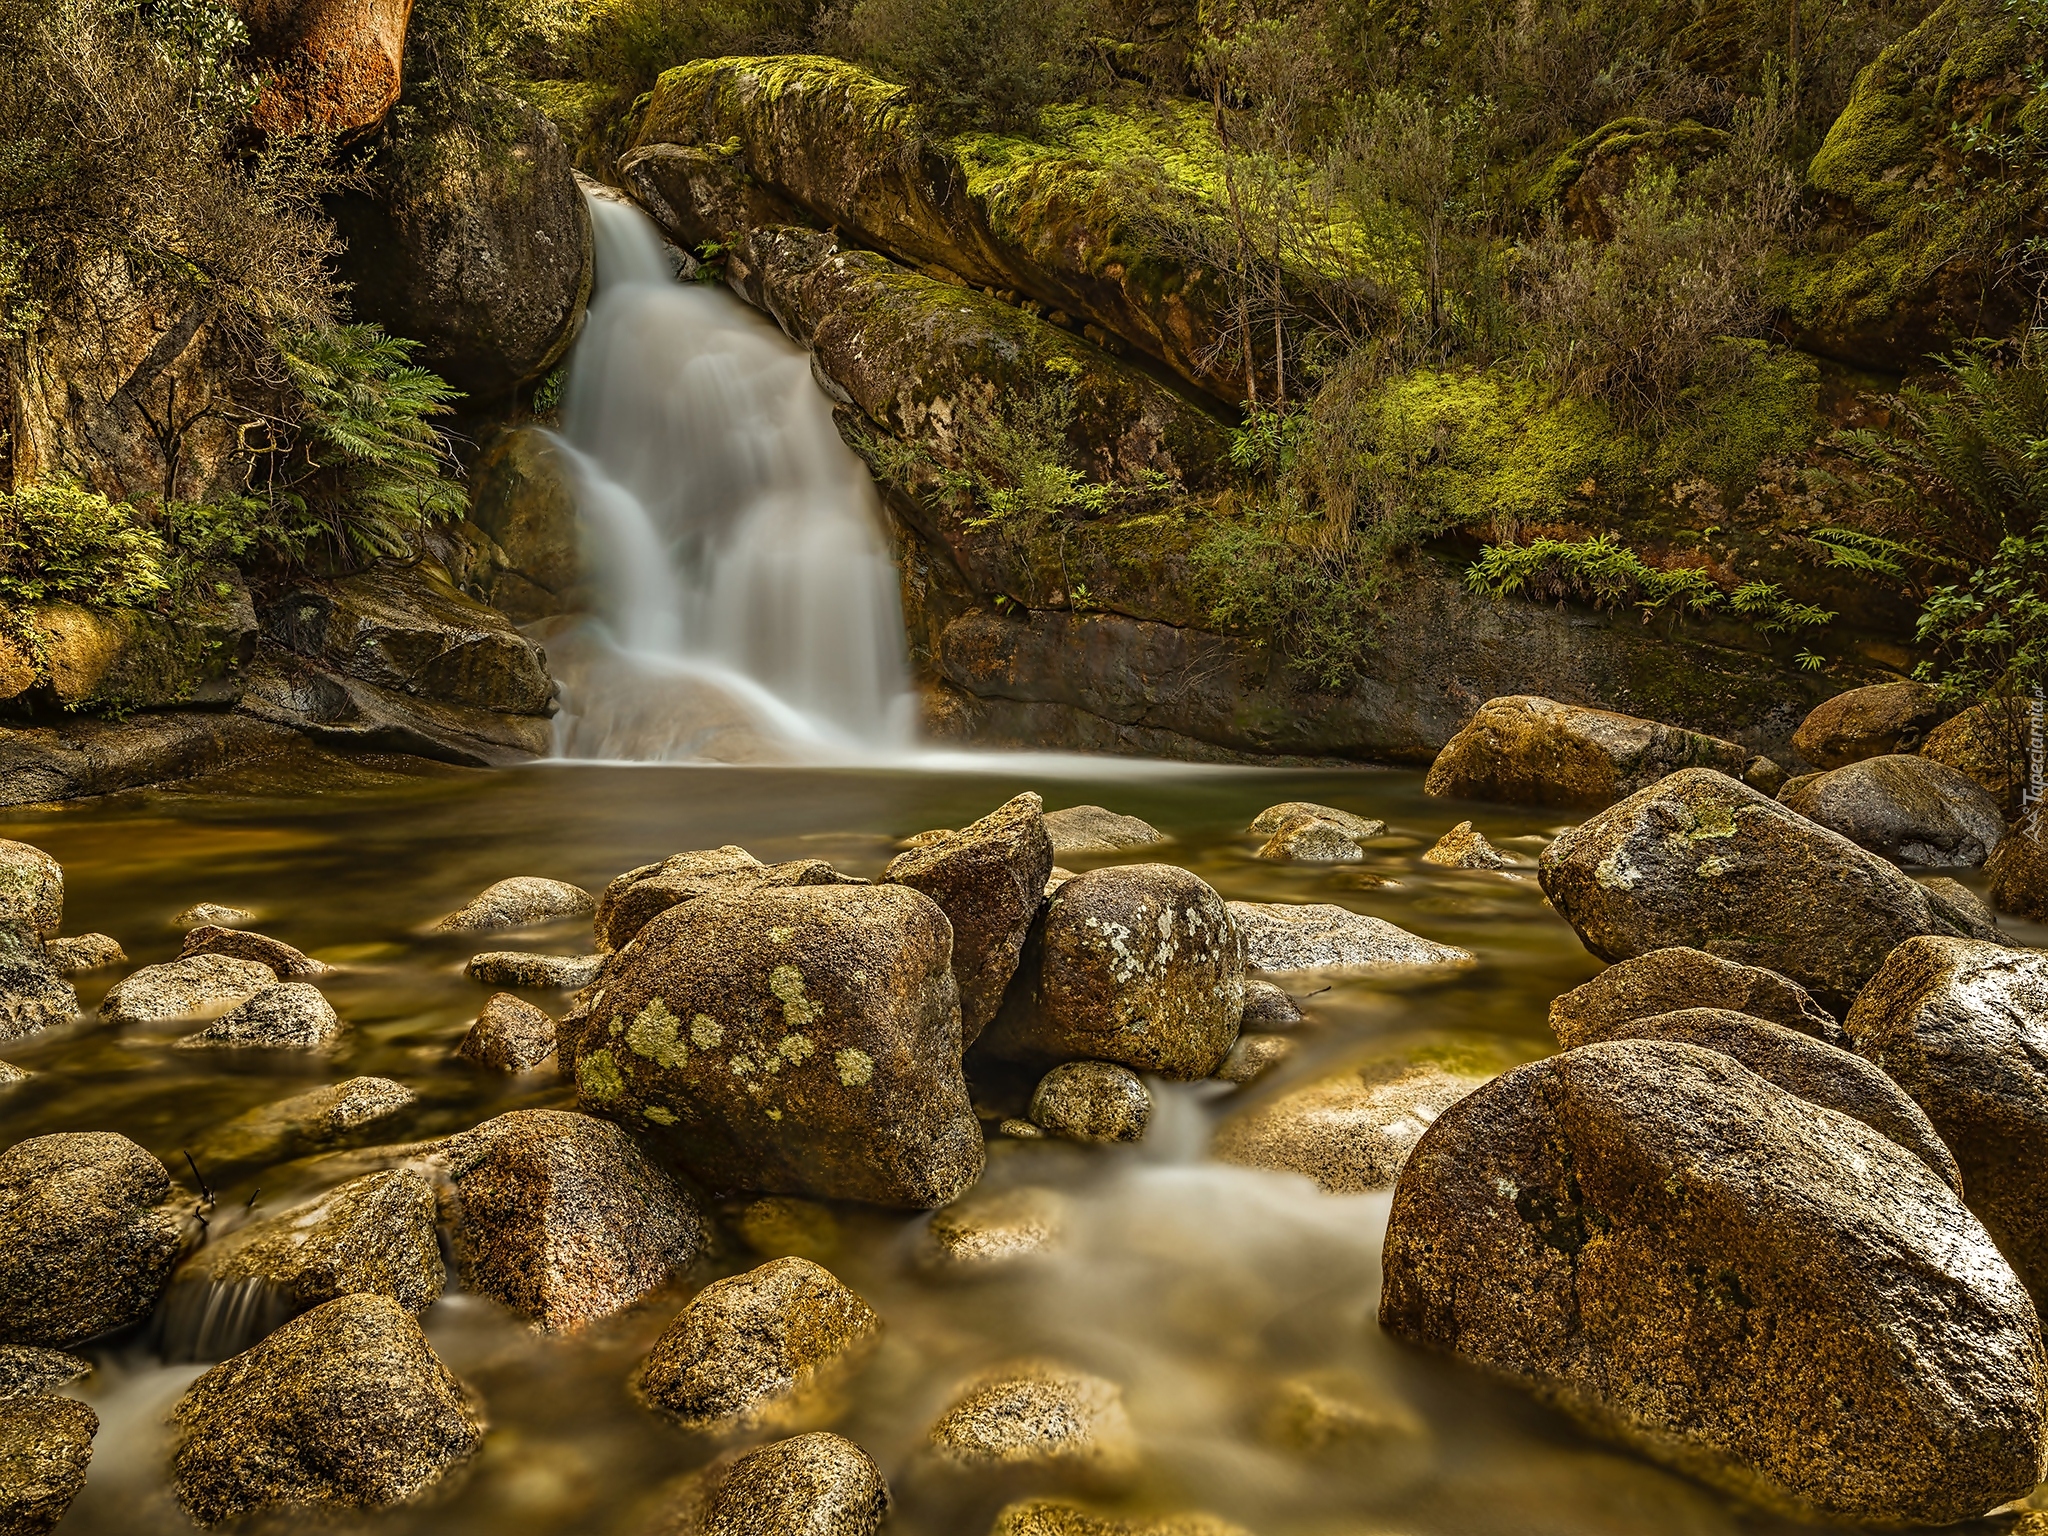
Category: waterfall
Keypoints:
(745, 603)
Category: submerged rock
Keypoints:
(791, 1040)
(1868, 722)
(1962, 1026)
(1285, 936)
(212, 939)
(206, 914)
(563, 1218)
(1265, 1005)
(45, 1448)
(777, 1227)
(1091, 829)
(510, 1035)
(31, 888)
(1350, 1135)
(1912, 810)
(1356, 827)
(1702, 861)
(86, 1240)
(26, 1370)
(1310, 840)
(521, 968)
(202, 987)
(766, 1349)
(989, 879)
(1042, 1417)
(1253, 1056)
(313, 1121)
(1321, 1411)
(1526, 750)
(292, 1015)
(1138, 964)
(1091, 1101)
(10, 1074)
(1463, 848)
(87, 952)
(347, 1404)
(517, 903)
(1665, 980)
(811, 1485)
(33, 996)
(985, 1232)
(1765, 1294)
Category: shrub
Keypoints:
(57, 541)
(992, 64)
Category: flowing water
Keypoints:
(1203, 1290)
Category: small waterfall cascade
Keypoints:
(745, 606)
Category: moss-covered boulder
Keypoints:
(1868, 722)
(1536, 751)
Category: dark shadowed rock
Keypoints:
(330, 1116)
(86, 1240)
(1091, 1101)
(1912, 810)
(1765, 1294)
(1285, 936)
(202, 987)
(522, 968)
(1963, 906)
(33, 996)
(293, 1015)
(45, 1448)
(1138, 964)
(563, 1218)
(31, 888)
(1091, 829)
(347, 1404)
(1040, 1417)
(510, 1035)
(87, 952)
(1349, 1135)
(989, 880)
(1310, 840)
(986, 1231)
(796, 1040)
(766, 1349)
(1356, 827)
(811, 1485)
(1868, 722)
(1253, 1056)
(1815, 1071)
(1702, 861)
(289, 963)
(1464, 848)
(1526, 750)
(1962, 1026)
(2019, 871)
(25, 1370)
(518, 902)
(1265, 1005)
(1665, 980)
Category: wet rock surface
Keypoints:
(1253, 1056)
(1464, 848)
(1526, 750)
(796, 1040)
(202, 987)
(1309, 839)
(86, 1239)
(1285, 936)
(1091, 829)
(26, 1370)
(33, 994)
(1091, 1101)
(1868, 722)
(510, 1035)
(517, 903)
(1702, 861)
(320, 1118)
(985, 1232)
(1545, 1226)
(810, 1485)
(1665, 980)
(1355, 826)
(347, 1404)
(766, 1349)
(521, 968)
(1962, 1026)
(1058, 1517)
(989, 879)
(289, 963)
(1041, 1416)
(31, 888)
(562, 1217)
(1912, 810)
(205, 914)
(1265, 1005)
(45, 1448)
(85, 953)
(292, 1015)
(1349, 1135)
(1138, 964)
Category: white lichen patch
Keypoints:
(1615, 872)
(741, 1065)
(706, 1033)
(1713, 865)
(654, 1034)
(798, 1010)
(856, 1068)
(660, 1114)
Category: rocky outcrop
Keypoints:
(1963, 1028)
(292, 1015)
(1137, 964)
(332, 66)
(989, 879)
(1665, 980)
(810, 1485)
(1310, 839)
(1091, 829)
(523, 968)
(87, 1240)
(518, 902)
(84, 953)
(766, 1349)
(510, 1035)
(793, 1040)
(77, 757)
(1286, 936)
(1091, 1101)
(138, 658)
(1765, 1294)
(33, 996)
(523, 495)
(1535, 751)
(1702, 861)
(45, 1448)
(1912, 810)
(1463, 847)
(31, 889)
(1868, 722)
(200, 987)
(345, 1405)
(987, 1231)
(317, 1120)
(1041, 1417)
(287, 962)
(1349, 1135)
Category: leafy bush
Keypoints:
(1276, 570)
(60, 542)
(971, 63)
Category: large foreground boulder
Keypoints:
(45, 1447)
(1665, 980)
(86, 1239)
(1963, 1027)
(347, 1405)
(1700, 860)
(809, 1485)
(31, 888)
(1527, 750)
(1912, 810)
(989, 880)
(799, 1040)
(1762, 1293)
(1868, 722)
(1138, 964)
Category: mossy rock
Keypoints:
(1603, 163)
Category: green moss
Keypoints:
(725, 90)
(1623, 136)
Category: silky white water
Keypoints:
(744, 604)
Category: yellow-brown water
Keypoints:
(1202, 1289)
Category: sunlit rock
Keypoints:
(1349, 1135)
(510, 1035)
(1091, 829)
(517, 903)
(1091, 1101)
(1526, 750)
(1665, 980)
(202, 987)
(289, 963)
(1286, 936)
(292, 1015)
(811, 1485)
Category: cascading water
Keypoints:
(745, 605)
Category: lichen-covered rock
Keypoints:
(510, 1035)
(1285, 936)
(292, 1015)
(1058, 1517)
(313, 1121)
(331, 66)
(810, 1485)
(371, 1236)
(766, 1349)
(1464, 848)
(2018, 867)
(1700, 860)
(1253, 1056)
(1534, 751)
(518, 902)
(86, 1240)
(563, 1218)
(1665, 980)
(1868, 722)
(25, 1369)
(1962, 1026)
(1091, 829)
(1912, 810)
(986, 1232)
(1265, 1005)
(1091, 1101)
(33, 996)
(1815, 1071)
(31, 888)
(204, 914)
(1765, 1294)
(1137, 964)
(638, 895)
(989, 879)
(347, 1404)
(799, 1040)
(1349, 1135)
(289, 963)
(202, 987)
(1306, 839)
(1040, 1416)
(84, 953)
(1356, 827)
(523, 968)
(45, 1447)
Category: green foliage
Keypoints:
(1274, 570)
(993, 64)
(57, 541)
(1989, 633)
(1605, 573)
